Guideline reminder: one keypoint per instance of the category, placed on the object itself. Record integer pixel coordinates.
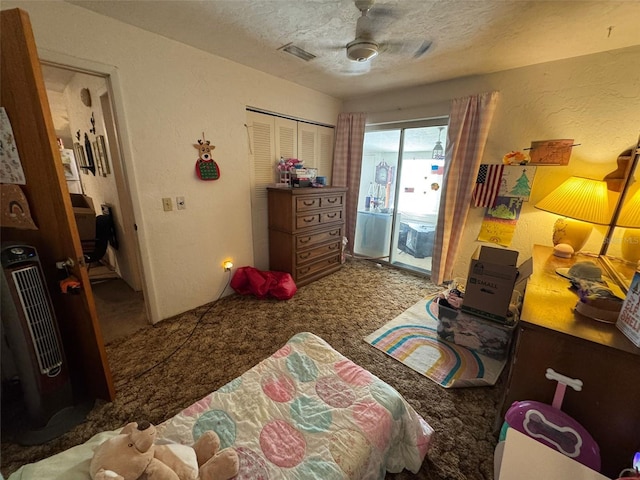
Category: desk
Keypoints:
(551, 335)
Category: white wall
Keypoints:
(593, 99)
(166, 95)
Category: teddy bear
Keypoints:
(133, 454)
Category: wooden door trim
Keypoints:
(24, 97)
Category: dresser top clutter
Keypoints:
(551, 334)
(306, 228)
(550, 304)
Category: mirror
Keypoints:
(620, 250)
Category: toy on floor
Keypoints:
(551, 426)
(133, 454)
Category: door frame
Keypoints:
(127, 196)
(23, 95)
(402, 127)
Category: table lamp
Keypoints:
(630, 219)
(581, 202)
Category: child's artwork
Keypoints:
(15, 208)
(516, 181)
(10, 165)
(500, 221)
(551, 152)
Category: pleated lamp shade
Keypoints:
(579, 198)
(630, 218)
(630, 213)
(581, 202)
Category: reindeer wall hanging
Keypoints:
(206, 167)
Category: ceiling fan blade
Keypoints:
(422, 49)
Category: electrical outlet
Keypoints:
(180, 203)
(166, 204)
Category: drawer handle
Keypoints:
(332, 215)
(333, 247)
(334, 233)
(332, 200)
(307, 240)
(304, 270)
(308, 219)
(305, 255)
(309, 203)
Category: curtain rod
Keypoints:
(280, 115)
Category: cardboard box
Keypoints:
(85, 216)
(483, 336)
(493, 276)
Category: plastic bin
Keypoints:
(483, 336)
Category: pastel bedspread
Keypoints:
(306, 412)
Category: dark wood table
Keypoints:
(552, 335)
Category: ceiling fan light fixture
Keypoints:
(362, 50)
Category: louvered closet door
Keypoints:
(286, 138)
(271, 138)
(325, 152)
(315, 147)
(307, 144)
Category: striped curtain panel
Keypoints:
(466, 138)
(347, 164)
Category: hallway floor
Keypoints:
(121, 310)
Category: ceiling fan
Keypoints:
(364, 47)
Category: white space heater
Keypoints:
(33, 340)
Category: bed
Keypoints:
(305, 412)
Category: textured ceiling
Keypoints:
(469, 36)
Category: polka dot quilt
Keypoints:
(307, 412)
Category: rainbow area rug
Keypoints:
(412, 339)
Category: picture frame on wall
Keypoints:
(98, 159)
(102, 154)
(78, 151)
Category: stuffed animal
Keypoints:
(134, 454)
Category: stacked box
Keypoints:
(493, 277)
(85, 216)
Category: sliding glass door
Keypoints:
(399, 196)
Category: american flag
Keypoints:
(487, 185)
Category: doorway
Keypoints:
(86, 129)
(399, 197)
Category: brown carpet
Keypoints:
(235, 333)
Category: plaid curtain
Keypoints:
(466, 138)
(347, 164)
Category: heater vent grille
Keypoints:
(33, 299)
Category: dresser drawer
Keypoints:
(307, 203)
(318, 218)
(331, 216)
(308, 240)
(305, 271)
(307, 256)
(304, 204)
(310, 220)
(331, 201)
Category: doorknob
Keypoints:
(63, 265)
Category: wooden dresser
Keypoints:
(306, 226)
(551, 335)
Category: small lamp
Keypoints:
(581, 202)
(630, 219)
(438, 151)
